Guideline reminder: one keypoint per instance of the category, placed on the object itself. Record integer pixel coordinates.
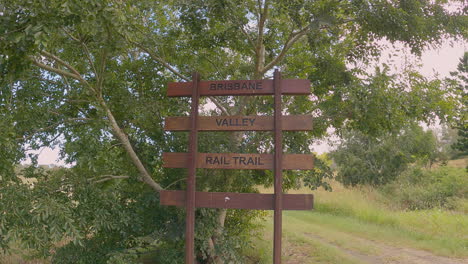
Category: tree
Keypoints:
(91, 76)
(362, 159)
(460, 81)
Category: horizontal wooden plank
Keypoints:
(254, 201)
(239, 161)
(239, 123)
(240, 87)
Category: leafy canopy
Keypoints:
(90, 77)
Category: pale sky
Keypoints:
(434, 62)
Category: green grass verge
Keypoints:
(347, 214)
(394, 234)
(298, 246)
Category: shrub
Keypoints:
(444, 187)
(365, 160)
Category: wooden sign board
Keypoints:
(276, 162)
(240, 87)
(253, 201)
(239, 161)
(239, 123)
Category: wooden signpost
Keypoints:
(241, 87)
(239, 161)
(239, 123)
(276, 162)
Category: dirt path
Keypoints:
(386, 254)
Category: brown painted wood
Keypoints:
(278, 170)
(191, 179)
(240, 87)
(234, 161)
(239, 123)
(253, 201)
(276, 162)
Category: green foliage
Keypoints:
(322, 170)
(88, 75)
(82, 216)
(425, 189)
(460, 81)
(362, 159)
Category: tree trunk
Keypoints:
(237, 138)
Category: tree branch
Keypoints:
(241, 26)
(120, 134)
(252, 43)
(100, 76)
(160, 60)
(293, 38)
(123, 138)
(54, 125)
(76, 75)
(261, 22)
(223, 109)
(110, 177)
(176, 181)
(60, 61)
(260, 48)
(85, 47)
(55, 70)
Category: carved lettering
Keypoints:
(244, 121)
(217, 160)
(260, 161)
(242, 160)
(236, 160)
(235, 121)
(236, 86)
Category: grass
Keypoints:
(367, 206)
(343, 217)
(298, 246)
(347, 214)
(444, 245)
(458, 163)
(16, 258)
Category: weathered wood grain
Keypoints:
(239, 87)
(254, 201)
(239, 123)
(239, 161)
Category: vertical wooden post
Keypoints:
(278, 170)
(192, 169)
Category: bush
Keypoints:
(365, 160)
(444, 187)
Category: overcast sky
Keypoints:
(435, 62)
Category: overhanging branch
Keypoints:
(105, 178)
(55, 70)
(160, 60)
(219, 105)
(293, 38)
(123, 138)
